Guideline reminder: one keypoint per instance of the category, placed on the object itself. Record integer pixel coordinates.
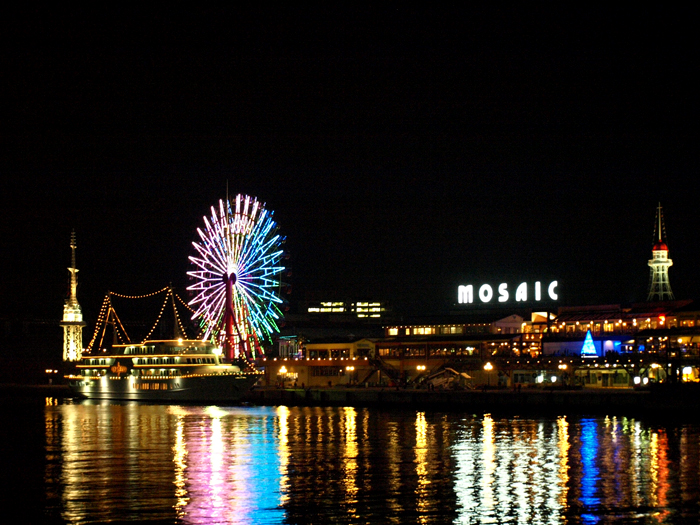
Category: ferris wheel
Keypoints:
(237, 272)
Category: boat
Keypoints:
(178, 370)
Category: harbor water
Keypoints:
(87, 462)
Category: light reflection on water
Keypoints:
(130, 462)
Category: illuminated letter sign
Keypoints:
(552, 294)
(465, 293)
(485, 293)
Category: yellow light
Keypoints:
(488, 366)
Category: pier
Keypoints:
(626, 401)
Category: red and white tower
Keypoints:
(659, 287)
(72, 322)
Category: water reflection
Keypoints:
(128, 462)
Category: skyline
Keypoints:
(403, 151)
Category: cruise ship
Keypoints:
(177, 370)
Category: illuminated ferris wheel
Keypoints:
(237, 276)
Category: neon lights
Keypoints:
(239, 248)
(465, 293)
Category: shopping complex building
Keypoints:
(509, 335)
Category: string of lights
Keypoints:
(177, 314)
(101, 318)
(144, 296)
(107, 315)
(160, 314)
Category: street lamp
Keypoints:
(282, 374)
(350, 370)
(488, 367)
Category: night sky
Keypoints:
(403, 151)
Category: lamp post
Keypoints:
(564, 378)
(50, 373)
(420, 369)
(282, 374)
(488, 367)
(350, 370)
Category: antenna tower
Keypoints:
(72, 322)
(659, 286)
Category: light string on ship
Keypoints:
(160, 314)
(204, 323)
(108, 315)
(144, 296)
(177, 314)
(101, 317)
(170, 295)
(107, 312)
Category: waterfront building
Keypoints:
(361, 309)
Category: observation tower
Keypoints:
(72, 322)
(659, 287)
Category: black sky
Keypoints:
(404, 151)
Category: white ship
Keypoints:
(169, 370)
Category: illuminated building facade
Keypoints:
(324, 362)
(360, 309)
(72, 322)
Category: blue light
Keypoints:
(588, 349)
(589, 469)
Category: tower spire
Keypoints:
(659, 286)
(72, 322)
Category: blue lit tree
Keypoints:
(588, 349)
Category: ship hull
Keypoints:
(217, 388)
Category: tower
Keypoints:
(72, 315)
(659, 287)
